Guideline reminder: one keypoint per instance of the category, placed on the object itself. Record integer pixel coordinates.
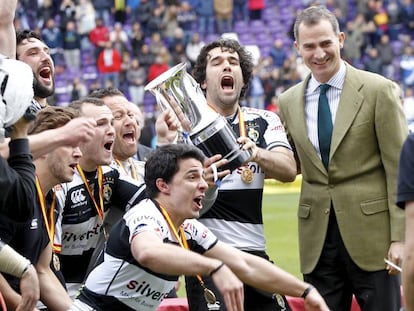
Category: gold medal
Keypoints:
(209, 296)
(56, 262)
(247, 175)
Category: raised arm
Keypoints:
(7, 31)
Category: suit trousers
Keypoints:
(338, 278)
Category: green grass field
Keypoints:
(280, 221)
(280, 204)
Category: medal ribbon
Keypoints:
(180, 238)
(48, 220)
(242, 126)
(133, 169)
(100, 207)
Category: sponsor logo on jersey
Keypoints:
(144, 289)
(77, 196)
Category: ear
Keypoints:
(162, 186)
(297, 47)
(203, 85)
(341, 39)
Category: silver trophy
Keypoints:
(177, 90)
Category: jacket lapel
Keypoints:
(349, 105)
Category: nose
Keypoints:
(320, 53)
(77, 153)
(45, 56)
(203, 184)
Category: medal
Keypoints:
(209, 296)
(247, 175)
(56, 262)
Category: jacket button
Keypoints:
(327, 211)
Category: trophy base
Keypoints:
(219, 138)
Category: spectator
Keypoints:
(109, 66)
(77, 89)
(136, 77)
(256, 93)
(170, 23)
(144, 13)
(205, 16)
(156, 43)
(136, 38)
(408, 105)
(145, 57)
(352, 50)
(386, 54)
(71, 47)
(273, 105)
(407, 16)
(157, 68)
(240, 10)
(407, 66)
(223, 10)
(155, 24)
(193, 48)
(178, 55)
(373, 63)
(278, 53)
(187, 18)
(120, 11)
(99, 36)
(67, 12)
(255, 8)
(52, 36)
(119, 38)
(85, 21)
(103, 10)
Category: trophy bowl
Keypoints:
(177, 90)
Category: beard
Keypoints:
(41, 90)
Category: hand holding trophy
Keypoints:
(177, 90)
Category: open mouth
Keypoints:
(198, 201)
(227, 83)
(46, 74)
(108, 146)
(129, 137)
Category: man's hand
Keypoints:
(166, 126)
(77, 131)
(20, 129)
(230, 287)
(211, 173)
(29, 288)
(395, 255)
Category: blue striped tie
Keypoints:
(324, 125)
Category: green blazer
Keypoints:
(368, 133)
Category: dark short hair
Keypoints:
(78, 104)
(312, 16)
(52, 117)
(163, 163)
(245, 58)
(104, 92)
(24, 34)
